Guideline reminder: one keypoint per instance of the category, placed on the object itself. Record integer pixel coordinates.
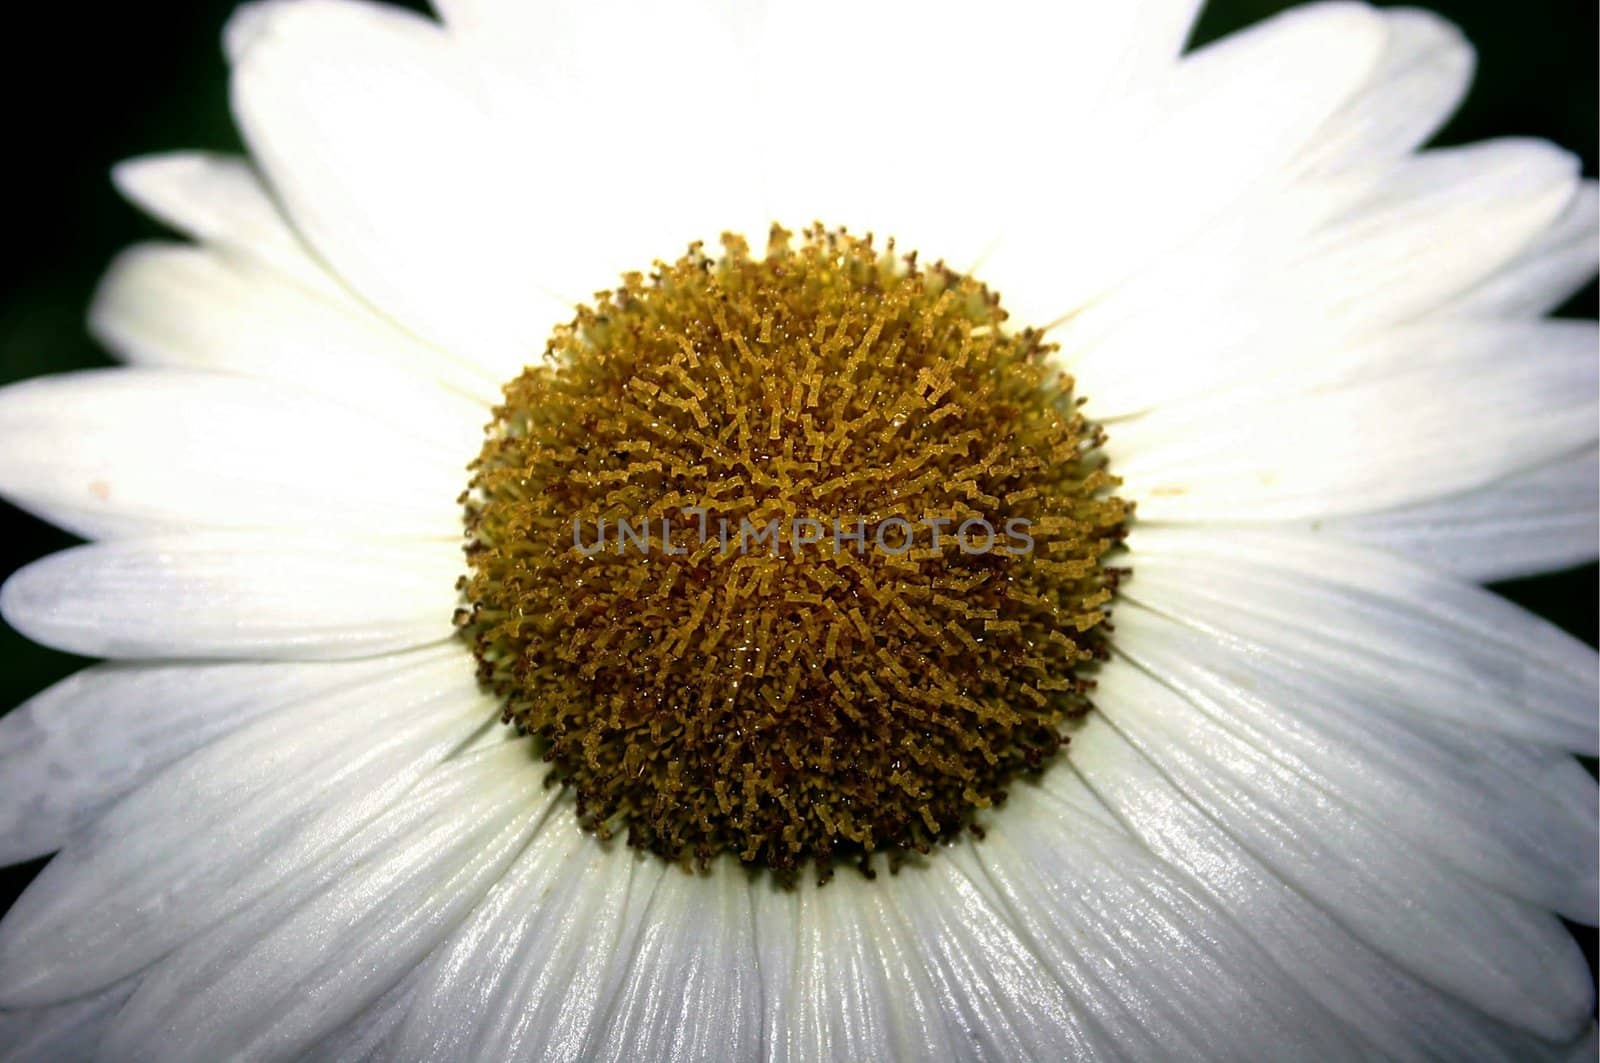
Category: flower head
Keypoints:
(930, 589)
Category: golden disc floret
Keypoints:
(798, 557)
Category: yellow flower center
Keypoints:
(797, 557)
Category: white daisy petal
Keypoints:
(1485, 203)
(998, 1000)
(1396, 1015)
(499, 18)
(64, 1033)
(1154, 968)
(1466, 348)
(231, 824)
(1518, 965)
(1283, 292)
(1139, 44)
(71, 752)
(183, 306)
(1463, 800)
(841, 980)
(569, 69)
(1238, 113)
(235, 595)
(1556, 266)
(1136, 41)
(370, 1037)
(371, 129)
(285, 973)
(1375, 623)
(1539, 520)
(540, 962)
(220, 201)
(823, 999)
(1417, 85)
(586, 62)
(887, 163)
(1403, 431)
(112, 453)
(691, 990)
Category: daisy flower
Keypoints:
(420, 736)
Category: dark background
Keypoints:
(86, 87)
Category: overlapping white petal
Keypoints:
(1093, 224)
(1410, 417)
(841, 980)
(1284, 291)
(1519, 965)
(1539, 520)
(1416, 85)
(69, 754)
(113, 453)
(1485, 203)
(1394, 1013)
(370, 1036)
(645, 115)
(692, 987)
(63, 1033)
(1469, 801)
(319, 950)
(1153, 968)
(1380, 84)
(237, 595)
(1554, 267)
(375, 136)
(537, 967)
(1358, 617)
(995, 997)
(231, 824)
(194, 307)
(220, 201)
(848, 150)
(872, 150)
